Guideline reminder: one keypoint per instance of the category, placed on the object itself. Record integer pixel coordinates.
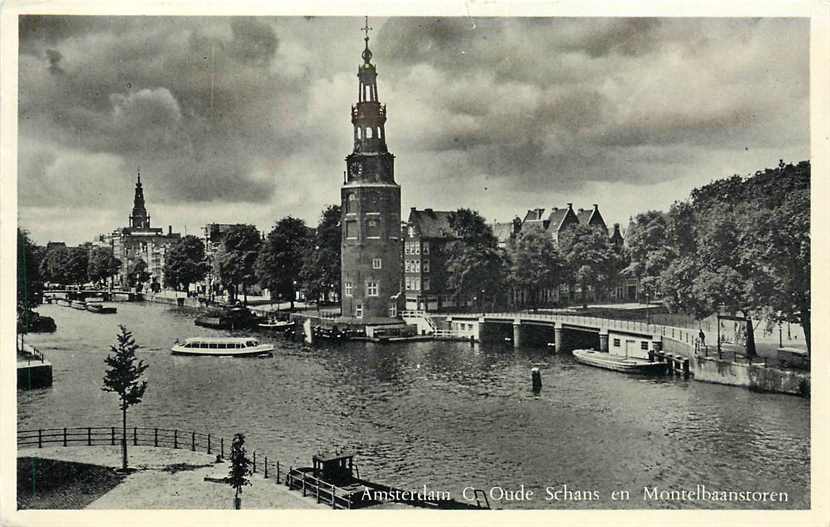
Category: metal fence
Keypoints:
(141, 436)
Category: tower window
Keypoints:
(377, 263)
(347, 289)
(368, 133)
(373, 229)
(351, 203)
(371, 287)
(358, 311)
(351, 229)
(425, 266)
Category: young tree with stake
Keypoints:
(240, 468)
(123, 377)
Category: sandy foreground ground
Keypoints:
(174, 479)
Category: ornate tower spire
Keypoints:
(139, 218)
(371, 207)
(368, 115)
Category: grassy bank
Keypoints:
(55, 484)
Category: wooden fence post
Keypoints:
(222, 447)
(175, 439)
(193, 441)
(266, 467)
(89, 436)
(40, 438)
(135, 436)
(278, 470)
(254, 461)
(155, 437)
(112, 436)
(64, 436)
(208, 443)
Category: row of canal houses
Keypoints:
(428, 236)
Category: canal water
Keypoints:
(445, 415)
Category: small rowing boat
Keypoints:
(618, 363)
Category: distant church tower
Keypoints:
(371, 213)
(139, 219)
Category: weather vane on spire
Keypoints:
(367, 55)
(366, 29)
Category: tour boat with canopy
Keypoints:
(222, 346)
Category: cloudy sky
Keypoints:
(247, 119)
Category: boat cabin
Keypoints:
(333, 468)
(220, 344)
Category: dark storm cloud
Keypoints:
(222, 111)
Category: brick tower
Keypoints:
(371, 205)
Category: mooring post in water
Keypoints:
(536, 375)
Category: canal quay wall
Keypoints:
(753, 376)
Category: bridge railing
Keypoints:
(683, 335)
(141, 436)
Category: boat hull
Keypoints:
(265, 349)
(619, 364)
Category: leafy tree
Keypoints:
(590, 258)
(535, 264)
(102, 264)
(77, 264)
(29, 282)
(240, 468)
(321, 266)
(53, 267)
(281, 258)
(137, 273)
(236, 258)
(476, 267)
(123, 377)
(649, 251)
(185, 263)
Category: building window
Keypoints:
(408, 283)
(616, 343)
(377, 263)
(347, 289)
(417, 264)
(373, 229)
(351, 203)
(358, 311)
(412, 232)
(371, 287)
(425, 266)
(417, 248)
(426, 247)
(351, 229)
(426, 284)
(644, 345)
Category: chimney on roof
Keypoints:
(596, 207)
(616, 227)
(570, 206)
(169, 229)
(581, 209)
(428, 211)
(412, 209)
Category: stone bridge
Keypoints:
(568, 331)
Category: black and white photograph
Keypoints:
(374, 261)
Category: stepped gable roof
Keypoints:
(432, 223)
(557, 215)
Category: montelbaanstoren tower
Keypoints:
(371, 202)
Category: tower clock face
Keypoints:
(356, 168)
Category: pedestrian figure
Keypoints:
(702, 337)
